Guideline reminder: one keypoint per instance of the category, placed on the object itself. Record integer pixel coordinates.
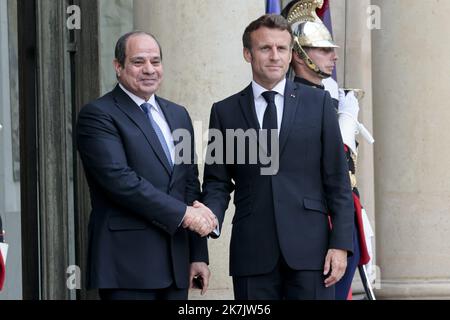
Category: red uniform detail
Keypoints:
(2, 272)
(364, 257)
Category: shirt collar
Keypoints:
(308, 83)
(138, 100)
(258, 89)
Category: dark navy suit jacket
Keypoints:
(286, 213)
(135, 241)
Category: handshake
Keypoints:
(200, 219)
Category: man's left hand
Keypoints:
(336, 261)
(200, 270)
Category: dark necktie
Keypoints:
(146, 107)
(270, 117)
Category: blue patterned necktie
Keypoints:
(146, 107)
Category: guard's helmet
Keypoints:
(308, 30)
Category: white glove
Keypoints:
(332, 87)
(348, 110)
(4, 250)
(348, 104)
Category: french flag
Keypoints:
(273, 6)
(325, 15)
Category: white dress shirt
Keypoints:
(158, 116)
(261, 104)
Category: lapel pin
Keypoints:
(292, 95)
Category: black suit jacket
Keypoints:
(135, 240)
(286, 213)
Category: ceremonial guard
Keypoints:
(314, 58)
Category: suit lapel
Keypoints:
(124, 102)
(170, 118)
(247, 104)
(291, 101)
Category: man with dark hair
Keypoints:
(146, 234)
(282, 246)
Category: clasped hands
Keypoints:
(200, 219)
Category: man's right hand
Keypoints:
(199, 219)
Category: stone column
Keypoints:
(203, 63)
(54, 155)
(114, 19)
(410, 81)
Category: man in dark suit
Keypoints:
(282, 246)
(146, 240)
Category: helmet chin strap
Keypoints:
(310, 64)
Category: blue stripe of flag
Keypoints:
(273, 6)
(326, 18)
